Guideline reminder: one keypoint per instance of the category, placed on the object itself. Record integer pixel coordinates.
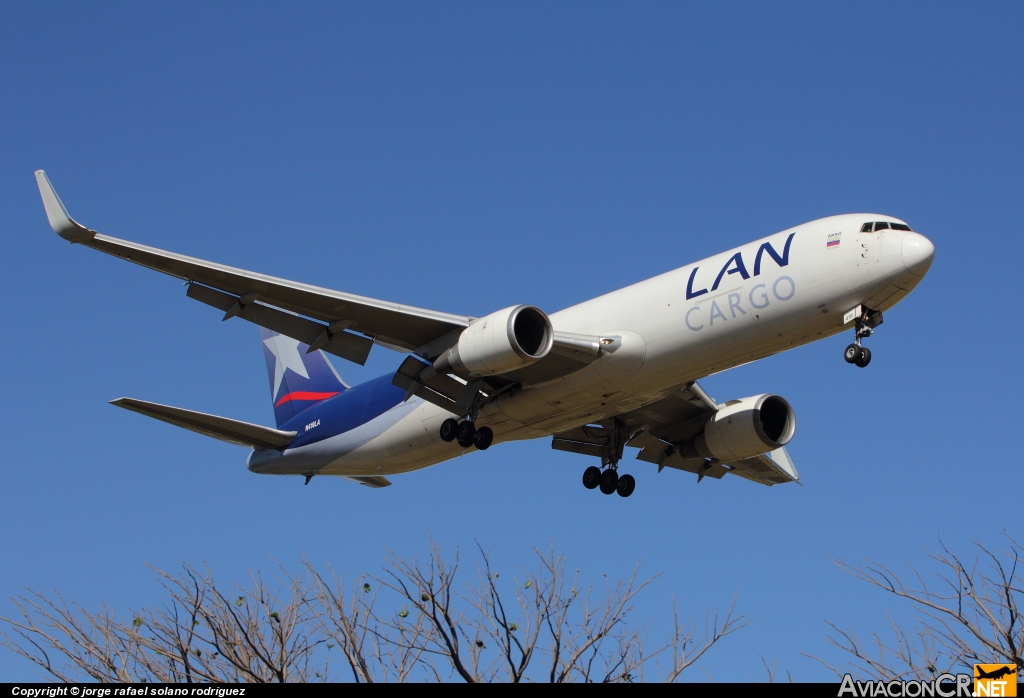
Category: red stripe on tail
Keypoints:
(300, 395)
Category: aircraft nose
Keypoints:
(918, 252)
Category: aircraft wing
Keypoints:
(343, 324)
(655, 427)
(255, 296)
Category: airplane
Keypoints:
(999, 673)
(615, 371)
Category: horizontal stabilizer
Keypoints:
(230, 430)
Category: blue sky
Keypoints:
(466, 157)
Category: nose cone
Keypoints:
(918, 252)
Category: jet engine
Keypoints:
(743, 428)
(500, 342)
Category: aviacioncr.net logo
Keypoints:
(943, 686)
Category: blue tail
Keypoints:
(297, 380)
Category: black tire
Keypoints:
(609, 481)
(852, 353)
(484, 437)
(465, 434)
(626, 485)
(865, 357)
(591, 477)
(449, 428)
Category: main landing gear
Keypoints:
(609, 481)
(466, 434)
(867, 321)
(607, 477)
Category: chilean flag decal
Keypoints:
(297, 380)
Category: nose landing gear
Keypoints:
(867, 320)
(856, 354)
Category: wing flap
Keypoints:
(414, 369)
(230, 430)
(700, 468)
(407, 378)
(374, 481)
(772, 468)
(646, 440)
(586, 449)
(344, 344)
(588, 433)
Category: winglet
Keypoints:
(60, 221)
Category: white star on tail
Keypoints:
(286, 353)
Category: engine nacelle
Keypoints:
(500, 342)
(744, 428)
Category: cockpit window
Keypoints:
(883, 225)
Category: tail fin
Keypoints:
(298, 380)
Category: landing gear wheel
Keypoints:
(865, 357)
(483, 438)
(591, 477)
(449, 427)
(625, 486)
(465, 434)
(853, 353)
(609, 481)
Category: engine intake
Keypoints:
(744, 428)
(500, 342)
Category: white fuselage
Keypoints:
(674, 328)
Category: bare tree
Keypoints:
(546, 626)
(198, 635)
(549, 628)
(772, 670)
(969, 613)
